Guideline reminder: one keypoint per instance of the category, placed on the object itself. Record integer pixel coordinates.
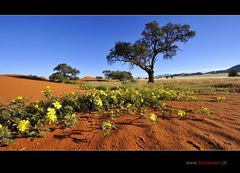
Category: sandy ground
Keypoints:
(220, 131)
(12, 86)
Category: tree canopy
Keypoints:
(64, 72)
(119, 75)
(155, 40)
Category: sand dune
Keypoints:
(20, 85)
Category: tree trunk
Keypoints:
(150, 76)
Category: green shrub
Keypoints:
(31, 120)
(233, 73)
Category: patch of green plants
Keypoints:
(153, 118)
(181, 113)
(221, 99)
(205, 111)
(6, 137)
(107, 127)
(32, 119)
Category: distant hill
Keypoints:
(234, 68)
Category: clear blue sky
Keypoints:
(36, 44)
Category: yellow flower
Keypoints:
(142, 100)
(19, 97)
(23, 125)
(1, 126)
(122, 102)
(51, 115)
(36, 106)
(129, 105)
(153, 117)
(51, 118)
(106, 125)
(51, 111)
(103, 93)
(181, 113)
(114, 98)
(98, 101)
(73, 115)
(47, 87)
(221, 99)
(57, 105)
(154, 97)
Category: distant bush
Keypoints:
(43, 78)
(69, 82)
(118, 75)
(129, 81)
(99, 77)
(35, 77)
(64, 72)
(233, 73)
(57, 77)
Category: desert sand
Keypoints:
(220, 131)
(20, 85)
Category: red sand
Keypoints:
(221, 131)
(88, 78)
(13, 85)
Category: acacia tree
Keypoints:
(155, 40)
(64, 72)
(120, 75)
(107, 73)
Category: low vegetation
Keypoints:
(233, 73)
(118, 75)
(65, 73)
(33, 119)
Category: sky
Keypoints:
(36, 44)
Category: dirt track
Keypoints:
(221, 131)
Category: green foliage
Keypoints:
(205, 111)
(118, 75)
(233, 73)
(107, 126)
(221, 99)
(31, 119)
(153, 118)
(57, 77)
(20, 118)
(181, 113)
(155, 40)
(6, 137)
(64, 73)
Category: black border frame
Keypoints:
(119, 7)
